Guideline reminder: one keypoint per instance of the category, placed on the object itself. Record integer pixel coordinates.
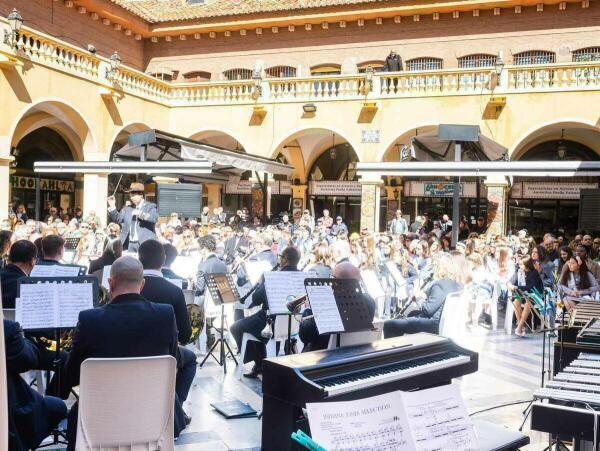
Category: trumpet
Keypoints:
(295, 303)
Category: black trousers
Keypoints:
(398, 327)
(254, 325)
(186, 371)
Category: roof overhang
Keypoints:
(481, 168)
(123, 167)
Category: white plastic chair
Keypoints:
(454, 317)
(126, 404)
(280, 335)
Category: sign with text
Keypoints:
(334, 188)
(370, 136)
(238, 187)
(441, 189)
(282, 187)
(17, 182)
(544, 190)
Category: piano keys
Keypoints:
(566, 404)
(410, 362)
(570, 343)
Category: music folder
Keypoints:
(222, 288)
(338, 305)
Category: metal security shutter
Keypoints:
(589, 210)
(182, 198)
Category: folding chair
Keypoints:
(126, 404)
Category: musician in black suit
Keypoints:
(22, 257)
(170, 256)
(236, 244)
(31, 416)
(160, 290)
(210, 264)
(129, 326)
(288, 261)
(138, 221)
(308, 333)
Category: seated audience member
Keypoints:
(543, 265)
(31, 416)
(129, 326)
(309, 334)
(525, 279)
(564, 255)
(170, 256)
(427, 317)
(113, 249)
(577, 282)
(160, 290)
(5, 238)
(254, 324)
(21, 260)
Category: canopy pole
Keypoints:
(265, 192)
(456, 198)
(478, 190)
(38, 198)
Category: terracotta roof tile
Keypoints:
(173, 10)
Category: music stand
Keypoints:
(71, 247)
(351, 304)
(223, 291)
(56, 364)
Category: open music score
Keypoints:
(325, 309)
(256, 269)
(222, 288)
(281, 286)
(432, 419)
(57, 271)
(53, 304)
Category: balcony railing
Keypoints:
(51, 52)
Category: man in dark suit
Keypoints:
(53, 250)
(137, 221)
(236, 244)
(160, 290)
(170, 256)
(129, 326)
(21, 260)
(31, 416)
(210, 264)
(288, 261)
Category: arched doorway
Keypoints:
(541, 205)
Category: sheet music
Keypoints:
(35, 307)
(255, 270)
(186, 267)
(372, 284)
(177, 282)
(439, 420)
(282, 286)
(55, 271)
(366, 424)
(324, 308)
(73, 298)
(425, 420)
(105, 275)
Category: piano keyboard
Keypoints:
(374, 376)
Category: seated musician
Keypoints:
(170, 256)
(53, 250)
(526, 278)
(209, 264)
(288, 261)
(113, 249)
(129, 326)
(158, 289)
(21, 260)
(427, 317)
(31, 416)
(577, 282)
(309, 333)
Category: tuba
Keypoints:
(197, 316)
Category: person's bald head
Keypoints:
(346, 270)
(126, 276)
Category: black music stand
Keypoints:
(351, 304)
(223, 291)
(71, 246)
(56, 365)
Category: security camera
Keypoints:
(91, 49)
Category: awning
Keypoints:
(162, 146)
(482, 168)
(124, 167)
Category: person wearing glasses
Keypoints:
(137, 221)
(339, 228)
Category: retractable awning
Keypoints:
(123, 167)
(156, 145)
(482, 168)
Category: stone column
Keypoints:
(78, 197)
(497, 196)
(5, 185)
(394, 201)
(299, 192)
(370, 199)
(214, 195)
(95, 193)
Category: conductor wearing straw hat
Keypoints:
(137, 220)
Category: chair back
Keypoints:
(126, 404)
(9, 313)
(454, 317)
(280, 328)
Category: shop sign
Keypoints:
(542, 190)
(334, 188)
(440, 189)
(64, 186)
(370, 137)
(238, 187)
(282, 187)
